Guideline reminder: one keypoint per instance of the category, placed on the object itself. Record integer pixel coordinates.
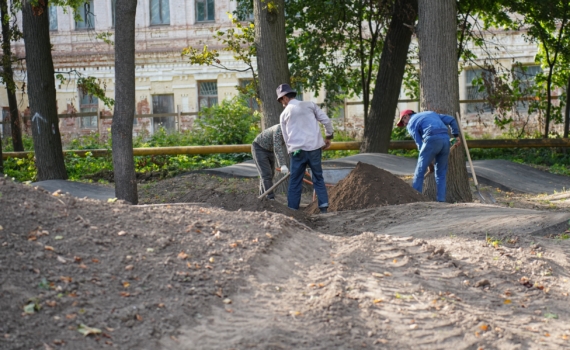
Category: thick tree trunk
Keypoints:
(567, 112)
(437, 37)
(378, 129)
(8, 78)
(122, 127)
(272, 66)
(548, 103)
(41, 92)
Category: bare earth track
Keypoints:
(411, 276)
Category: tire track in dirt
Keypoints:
(316, 291)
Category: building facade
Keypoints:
(166, 82)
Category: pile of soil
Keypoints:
(367, 187)
(134, 273)
(226, 193)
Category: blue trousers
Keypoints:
(299, 163)
(436, 148)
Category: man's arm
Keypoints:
(283, 118)
(416, 136)
(280, 151)
(452, 122)
(325, 120)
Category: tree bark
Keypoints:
(41, 92)
(8, 77)
(567, 111)
(1, 159)
(378, 130)
(122, 127)
(272, 65)
(439, 85)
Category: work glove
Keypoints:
(284, 170)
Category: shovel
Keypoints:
(490, 199)
(276, 184)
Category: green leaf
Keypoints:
(550, 315)
(30, 308)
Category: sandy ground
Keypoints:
(412, 276)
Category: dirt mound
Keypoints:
(135, 273)
(226, 193)
(367, 187)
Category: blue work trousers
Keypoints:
(299, 163)
(436, 148)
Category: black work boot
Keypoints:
(323, 210)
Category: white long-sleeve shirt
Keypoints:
(300, 126)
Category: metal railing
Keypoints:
(335, 146)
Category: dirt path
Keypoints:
(420, 275)
(372, 290)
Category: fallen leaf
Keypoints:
(58, 238)
(233, 245)
(219, 292)
(564, 336)
(77, 259)
(295, 313)
(58, 341)
(95, 260)
(126, 284)
(1, 228)
(476, 334)
(47, 247)
(47, 347)
(395, 261)
(320, 285)
(188, 265)
(65, 279)
(413, 326)
(507, 301)
(111, 200)
(550, 315)
(122, 233)
(182, 256)
(484, 327)
(388, 274)
(149, 250)
(376, 301)
(161, 305)
(70, 316)
(139, 317)
(547, 334)
(129, 267)
(268, 235)
(51, 303)
(125, 294)
(30, 308)
(212, 260)
(229, 310)
(227, 301)
(82, 266)
(61, 259)
(377, 275)
(86, 330)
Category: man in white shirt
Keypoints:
(300, 126)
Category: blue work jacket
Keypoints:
(425, 124)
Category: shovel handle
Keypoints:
(276, 184)
(467, 151)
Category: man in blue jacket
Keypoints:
(430, 132)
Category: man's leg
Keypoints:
(425, 158)
(298, 166)
(441, 160)
(264, 162)
(314, 158)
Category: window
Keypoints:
(163, 104)
(474, 92)
(159, 12)
(52, 17)
(248, 91)
(207, 94)
(88, 103)
(205, 11)
(526, 75)
(87, 18)
(113, 7)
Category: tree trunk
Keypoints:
(439, 85)
(1, 159)
(41, 92)
(272, 66)
(122, 127)
(8, 78)
(567, 112)
(548, 102)
(378, 129)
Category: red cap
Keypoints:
(405, 112)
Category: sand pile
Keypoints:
(366, 187)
